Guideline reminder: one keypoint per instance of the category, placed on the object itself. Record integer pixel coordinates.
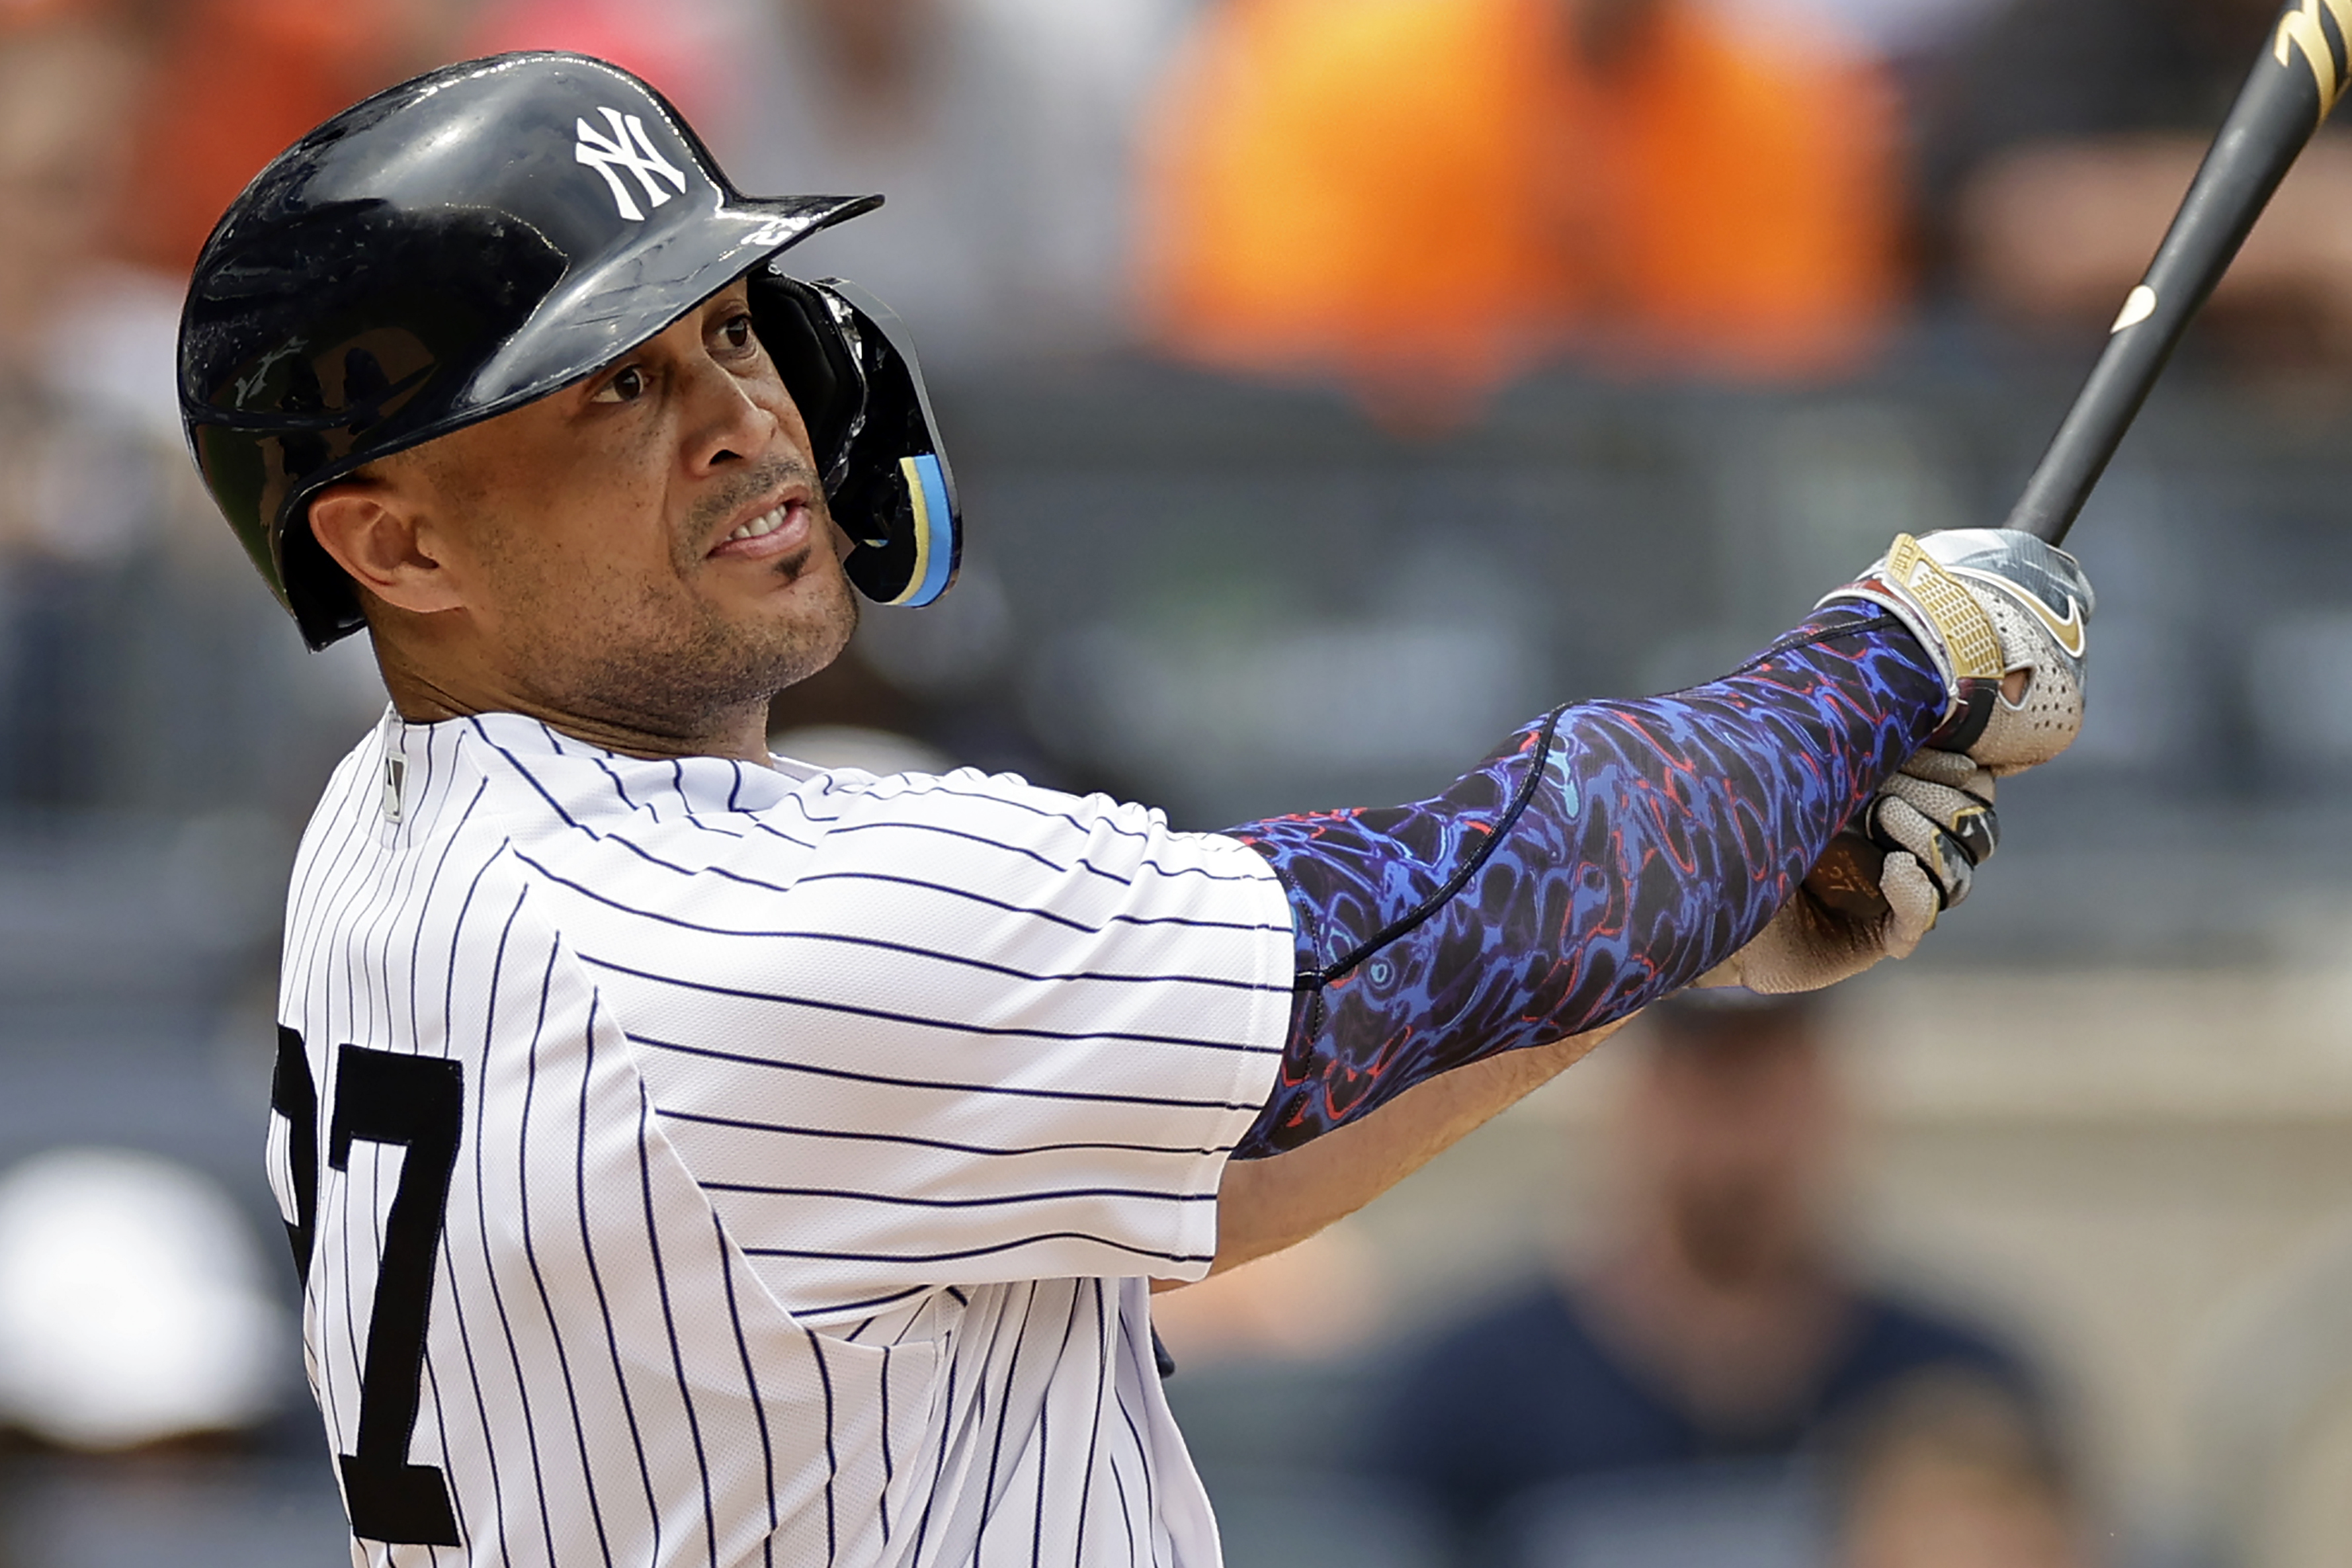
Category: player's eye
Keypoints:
(736, 331)
(627, 385)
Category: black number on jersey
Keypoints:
(418, 1103)
(293, 1095)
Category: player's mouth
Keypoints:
(780, 527)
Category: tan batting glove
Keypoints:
(1880, 887)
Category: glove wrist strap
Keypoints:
(1949, 621)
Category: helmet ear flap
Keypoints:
(814, 360)
(916, 559)
(847, 362)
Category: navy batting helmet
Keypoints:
(484, 234)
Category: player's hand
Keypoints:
(1881, 884)
(2003, 614)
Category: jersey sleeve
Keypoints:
(944, 1030)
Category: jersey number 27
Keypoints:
(418, 1103)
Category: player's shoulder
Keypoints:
(1001, 829)
(645, 836)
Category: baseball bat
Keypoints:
(2296, 82)
(2303, 69)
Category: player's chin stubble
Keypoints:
(670, 663)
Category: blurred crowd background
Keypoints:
(1332, 383)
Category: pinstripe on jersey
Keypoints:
(815, 1138)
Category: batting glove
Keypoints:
(2003, 614)
(1910, 855)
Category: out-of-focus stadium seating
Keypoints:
(1234, 598)
(1234, 601)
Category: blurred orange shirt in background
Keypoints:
(236, 82)
(1429, 196)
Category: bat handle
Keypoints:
(1846, 878)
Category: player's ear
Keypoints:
(379, 535)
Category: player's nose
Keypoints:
(730, 417)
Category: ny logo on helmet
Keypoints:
(629, 147)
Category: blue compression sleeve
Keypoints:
(1607, 855)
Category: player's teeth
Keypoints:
(765, 523)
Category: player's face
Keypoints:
(649, 549)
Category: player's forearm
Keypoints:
(1265, 1206)
(1604, 858)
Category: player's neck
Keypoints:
(737, 734)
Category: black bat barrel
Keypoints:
(2300, 75)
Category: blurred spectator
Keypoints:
(66, 84)
(70, 503)
(684, 48)
(1426, 196)
(1947, 1474)
(238, 81)
(2061, 140)
(1001, 130)
(139, 663)
(1718, 1334)
(1913, 35)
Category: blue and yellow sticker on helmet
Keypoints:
(935, 540)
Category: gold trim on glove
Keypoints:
(1968, 632)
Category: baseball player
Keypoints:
(695, 1157)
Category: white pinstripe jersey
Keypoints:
(702, 1164)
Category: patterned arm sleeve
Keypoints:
(1607, 855)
